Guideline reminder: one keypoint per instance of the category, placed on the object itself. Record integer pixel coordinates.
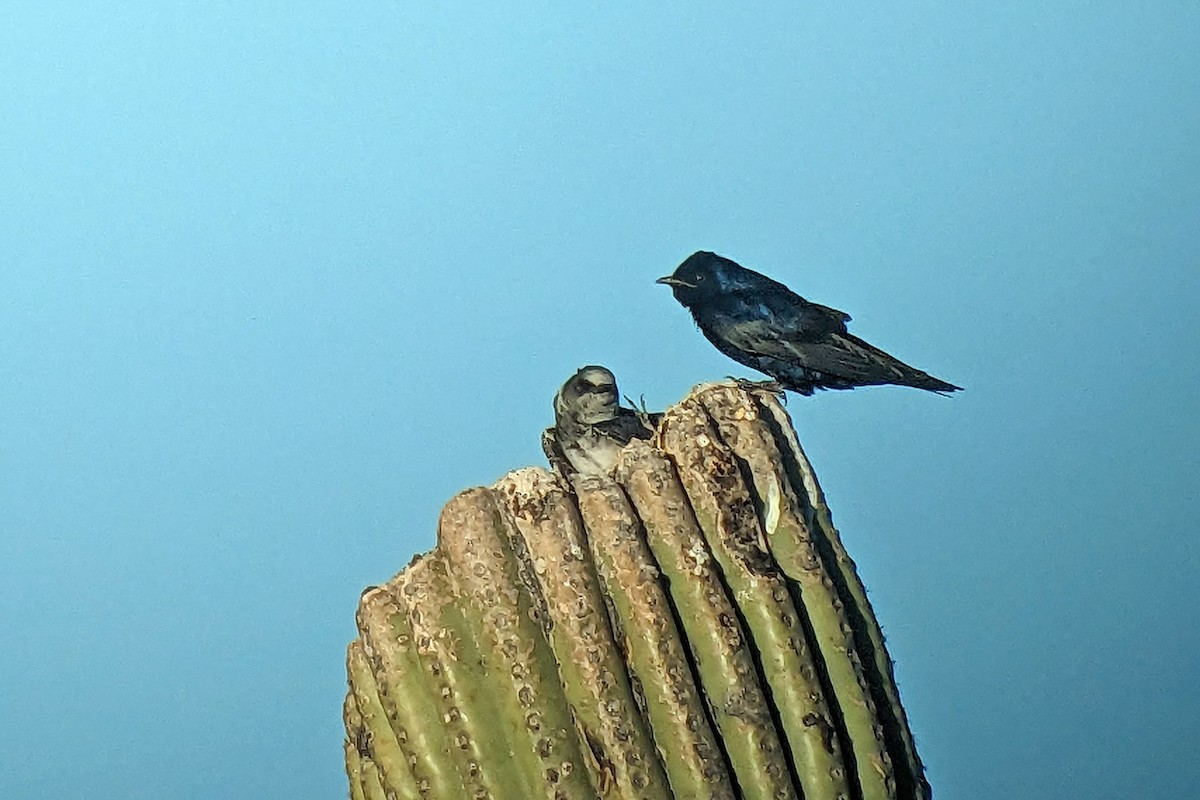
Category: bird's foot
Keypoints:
(770, 387)
(647, 419)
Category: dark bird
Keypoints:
(765, 325)
(590, 425)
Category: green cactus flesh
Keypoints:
(688, 627)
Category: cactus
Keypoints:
(688, 627)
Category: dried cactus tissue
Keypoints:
(686, 624)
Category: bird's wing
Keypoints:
(839, 354)
(554, 453)
(777, 333)
(832, 314)
(849, 357)
(791, 315)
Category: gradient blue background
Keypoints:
(275, 282)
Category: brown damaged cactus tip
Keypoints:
(688, 627)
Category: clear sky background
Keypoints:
(278, 279)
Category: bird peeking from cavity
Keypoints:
(590, 424)
(764, 325)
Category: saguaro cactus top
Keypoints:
(688, 627)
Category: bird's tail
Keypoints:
(932, 384)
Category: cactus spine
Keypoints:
(689, 627)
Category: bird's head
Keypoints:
(589, 396)
(704, 275)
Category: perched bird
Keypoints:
(590, 425)
(765, 325)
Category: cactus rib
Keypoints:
(651, 643)
(726, 513)
(355, 745)
(593, 675)
(404, 693)
(533, 713)
(710, 623)
(381, 741)
(453, 667)
(910, 774)
(791, 541)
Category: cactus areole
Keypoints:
(689, 626)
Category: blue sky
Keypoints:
(277, 281)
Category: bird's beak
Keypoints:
(673, 281)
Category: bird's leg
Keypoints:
(770, 387)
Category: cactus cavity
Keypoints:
(688, 627)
